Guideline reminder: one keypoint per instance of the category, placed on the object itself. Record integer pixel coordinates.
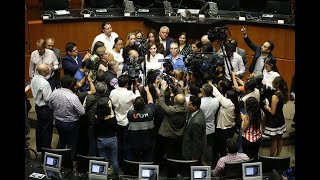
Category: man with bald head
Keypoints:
(43, 55)
(41, 90)
(207, 45)
(173, 124)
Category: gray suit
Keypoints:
(194, 138)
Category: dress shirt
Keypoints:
(209, 106)
(268, 77)
(228, 158)
(66, 105)
(237, 64)
(41, 90)
(108, 41)
(153, 63)
(48, 58)
(122, 100)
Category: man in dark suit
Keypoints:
(165, 40)
(260, 53)
(194, 138)
(73, 60)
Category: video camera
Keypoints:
(203, 63)
(219, 33)
(134, 67)
(142, 44)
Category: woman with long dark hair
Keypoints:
(252, 126)
(275, 123)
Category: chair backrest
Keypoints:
(66, 156)
(234, 169)
(83, 162)
(179, 166)
(55, 4)
(278, 163)
(132, 167)
(277, 7)
(100, 3)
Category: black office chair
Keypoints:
(66, 156)
(234, 169)
(179, 166)
(101, 3)
(83, 162)
(28, 151)
(278, 163)
(55, 4)
(132, 167)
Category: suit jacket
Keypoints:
(257, 53)
(194, 138)
(174, 121)
(70, 66)
(169, 40)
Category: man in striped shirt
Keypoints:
(232, 156)
(67, 110)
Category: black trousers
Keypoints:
(251, 148)
(44, 127)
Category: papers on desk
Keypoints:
(37, 175)
(62, 12)
(193, 11)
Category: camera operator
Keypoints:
(111, 76)
(207, 44)
(233, 62)
(84, 77)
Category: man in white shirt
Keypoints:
(106, 36)
(41, 91)
(43, 55)
(122, 100)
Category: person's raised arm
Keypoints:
(149, 96)
(247, 40)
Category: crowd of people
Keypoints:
(137, 99)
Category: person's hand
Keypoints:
(146, 88)
(244, 31)
(125, 73)
(164, 85)
(87, 56)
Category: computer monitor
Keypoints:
(98, 170)
(167, 7)
(52, 161)
(200, 172)
(146, 171)
(252, 171)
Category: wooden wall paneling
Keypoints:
(288, 71)
(260, 34)
(36, 31)
(289, 52)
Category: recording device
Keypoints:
(219, 33)
(142, 44)
(203, 63)
(134, 67)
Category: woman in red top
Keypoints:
(252, 126)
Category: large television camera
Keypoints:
(220, 33)
(134, 67)
(203, 63)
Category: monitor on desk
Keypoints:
(200, 172)
(52, 161)
(252, 171)
(146, 171)
(98, 169)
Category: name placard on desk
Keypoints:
(45, 17)
(86, 15)
(193, 11)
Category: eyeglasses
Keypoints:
(119, 44)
